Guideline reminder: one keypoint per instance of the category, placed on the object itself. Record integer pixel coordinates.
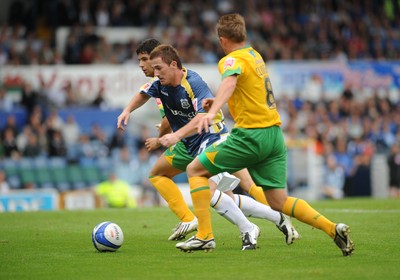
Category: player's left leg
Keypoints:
(161, 177)
(257, 209)
(247, 183)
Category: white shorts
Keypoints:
(225, 181)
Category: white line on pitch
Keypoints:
(363, 210)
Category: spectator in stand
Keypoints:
(71, 95)
(100, 100)
(46, 54)
(6, 103)
(30, 98)
(84, 13)
(32, 148)
(72, 49)
(393, 161)
(345, 160)
(105, 53)
(355, 122)
(10, 144)
(88, 36)
(361, 177)
(99, 140)
(388, 131)
(207, 53)
(54, 122)
(84, 149)
(117, 13)
(313, 90)
(35, 120)
(143, 135)
(87, 55)
(150, 195)
(11, 123)
(56, 145)
(70, 131)
(346, 101)
(333, 179)
(54, 96)
(101, 15)
(4, 45)
(98, 134)
(4, 186)
(23, 136)
(125, 167)
(43, 138)
(118, 140)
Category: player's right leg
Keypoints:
(271, 175)
(200, 193)
(302, 211)
(226, 207)
(160, 176)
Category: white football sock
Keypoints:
(227, 208)
(252, 208)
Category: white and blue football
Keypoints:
(107, 237)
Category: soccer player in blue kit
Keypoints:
(181, 91)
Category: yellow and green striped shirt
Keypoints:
(252, 104)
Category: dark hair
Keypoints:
(147, 46)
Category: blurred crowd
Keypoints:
(46, 135)
(347, 131)
(280, 29)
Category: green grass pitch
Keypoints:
(57, 245)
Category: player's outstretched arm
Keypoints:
(206, 103)
(224, 92)
(189, 129)
(137, 101)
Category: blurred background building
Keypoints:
(68, 67)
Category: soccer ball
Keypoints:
(107, 237)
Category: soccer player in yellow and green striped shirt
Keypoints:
(256, 142)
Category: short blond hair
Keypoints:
(232, 27)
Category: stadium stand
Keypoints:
(47, 32)
(334, 29)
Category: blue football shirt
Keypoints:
(182, 103)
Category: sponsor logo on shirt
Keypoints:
(229, 63)
(190, 115)
(185, 104)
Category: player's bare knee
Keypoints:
(195, 168)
